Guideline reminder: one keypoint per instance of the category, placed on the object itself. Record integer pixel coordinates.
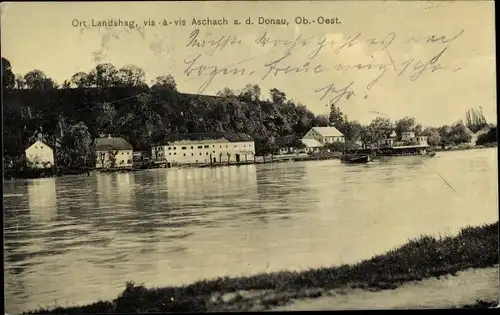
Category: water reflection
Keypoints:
(79, 238)
(42, 199)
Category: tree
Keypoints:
(475, 119)
(460, 133)
(103, 75)
(106, 118)
(36, 79)
(112, 158)
(433, 136)
(352, 130)
(380, 128)
(76, 146)
(81, 80)
(250, 93)
(7, 75)
(19, 82)
(277, 96)
(336, 117)
(130, 76)
(418, 129)
(405, 124)
(445, 135)
(226, 92)
(489, 137)
(165, 81)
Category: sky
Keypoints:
(433, 60)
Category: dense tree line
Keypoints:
(107, 100)
(444, 136)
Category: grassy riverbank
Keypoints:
(425, 257)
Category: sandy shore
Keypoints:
(446, 292)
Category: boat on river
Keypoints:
(355, 159)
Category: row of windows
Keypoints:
(206, 146)
(192, 154)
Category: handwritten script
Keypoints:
(357, 57)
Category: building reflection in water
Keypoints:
(42, 199)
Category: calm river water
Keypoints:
(77, 239)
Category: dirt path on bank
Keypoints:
(447, 292)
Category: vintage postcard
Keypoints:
(204, 156)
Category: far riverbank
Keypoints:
(419, 261)
(42, 173)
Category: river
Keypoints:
(78, 239)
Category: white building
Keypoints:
(39, 155)
(325, 135)
(204, 148)
(311, 145)
(113, 152)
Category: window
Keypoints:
(235, 145)
(213, 146)
(214, 151)
(183, 148)
(36, 147)
(191, 147)
(175, 153)
(207, 146)
(169, 153)
(221, 146)
(206, 153)
(192, 154)
(200, 147)
(184, 154)
(200, 153)
(196, 161)
(122, 154)
(174, 148)
(226, 145)
(244, 145)
(129, 161)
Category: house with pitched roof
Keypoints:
(39, 155)
(113, 152)
(204, 148)
(318, 137)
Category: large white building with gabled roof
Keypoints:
(325, 135)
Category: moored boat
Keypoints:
(355, 159)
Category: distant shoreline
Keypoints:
(272, 160)
(419, 259)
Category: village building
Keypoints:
(319, 137)
(205, 148)
(312, 145)
(39, 155)
(113, 152)
(325, 135)
(141, 156)
(288, 145)
(408, 138)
